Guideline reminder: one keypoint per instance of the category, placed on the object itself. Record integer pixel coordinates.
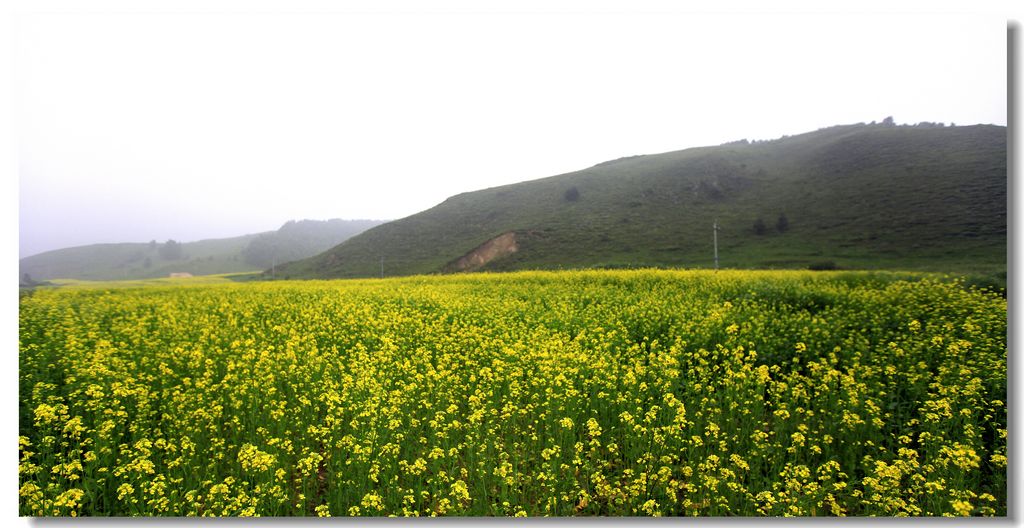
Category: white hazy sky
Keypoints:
(136, 124)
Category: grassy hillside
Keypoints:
(205, 257)
(856, 196)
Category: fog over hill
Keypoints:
(927, 196)
(294, 240)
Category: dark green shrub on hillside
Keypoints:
(572, 194)
(782, 224)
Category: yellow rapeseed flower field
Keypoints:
(645, 392)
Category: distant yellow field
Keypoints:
(199, 279)
(535, 393)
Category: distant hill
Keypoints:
(298, 240)
(924, 197)
(294, 240)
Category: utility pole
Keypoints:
(716, 244)
(273, 266)
(382, 266)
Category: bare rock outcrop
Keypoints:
(500, 246)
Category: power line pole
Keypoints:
(716, 244)
(382, 266)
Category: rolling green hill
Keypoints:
(924, 197)
(294, 240)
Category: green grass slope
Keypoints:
(859, 196)
(130, 261)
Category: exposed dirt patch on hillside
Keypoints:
(500, 246)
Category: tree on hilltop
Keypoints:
(171, 250)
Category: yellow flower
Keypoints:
(371, 500)
(651, 508)
(45, 414)
(962, 507)
(459, 491)
(124, 490)
(739, 462)
(254, 460)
